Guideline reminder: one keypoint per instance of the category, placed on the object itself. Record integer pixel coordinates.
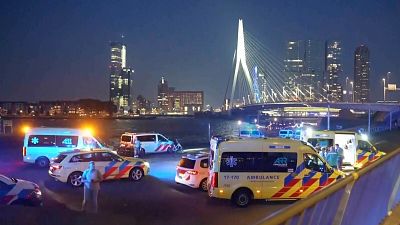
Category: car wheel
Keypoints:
(203, 185)
(241, 198)
(42, 162)
(136, 174)
(75, 179)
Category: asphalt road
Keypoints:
(156, 199)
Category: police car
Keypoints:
(19, 192)
(149, 143)
(68, 167)
(192, 170)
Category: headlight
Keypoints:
(147, 164)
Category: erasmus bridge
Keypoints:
(259, 81)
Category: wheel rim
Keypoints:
(243, 199)
(137, 174)
(76, 179)
(204, 185)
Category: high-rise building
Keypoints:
(313, 69)
(304, 66)
(120, 77)
(162, 96)
(293, 67)
(361, 74)
(333, 70)
(182, 102)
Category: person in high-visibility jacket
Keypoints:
(332, 157)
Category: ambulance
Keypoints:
(357, 150)
(268, 168)
(41, 145)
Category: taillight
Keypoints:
(56, 167)
(192, 172)
(24, 151)
(214, 181)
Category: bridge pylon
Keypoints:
(241, 60)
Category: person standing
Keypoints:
(331, 157)
(137, 147)
(340, 157)
(91, 179)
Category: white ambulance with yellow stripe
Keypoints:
(358, 151)
(269, 168)
(69, 166)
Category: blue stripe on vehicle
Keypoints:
(7, 188)
(109, 166)
(138, 163)
(123, 165)
(24, 193)
(307, 178)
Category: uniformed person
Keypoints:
(91, 178)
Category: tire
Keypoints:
(241, 198)
(136, 174)
(75, 179)
(203, 185)
(42, 162)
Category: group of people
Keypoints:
(333, 155)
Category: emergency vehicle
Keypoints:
(43, 144)
(270, 168)
(149, 142)
(68, 167)
(192, 170)
(357, 150)
(19, 192)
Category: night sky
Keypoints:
(53, 50)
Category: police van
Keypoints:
(43, 144)
(357, 150)
(149, 143)
(273, 169)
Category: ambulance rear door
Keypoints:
(347, 141)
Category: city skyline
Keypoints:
(196, 54)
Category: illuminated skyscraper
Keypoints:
(333, 70)
(361, 74)
(120, 77)
(163, 93)
(294, 66)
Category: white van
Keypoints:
(270, 168)
(44, 144)
(149, 143)
(286, 134)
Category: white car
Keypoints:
(68, 167)
(192, 170)
(19, 192)
(149, 142)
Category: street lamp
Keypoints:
(352, 90)
(384, 89)
(329, 113)
(239, 123)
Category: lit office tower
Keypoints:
(120, 77)
(361, 74)
(163, 94)
(333, 70)
(313, 69)
(293, 68)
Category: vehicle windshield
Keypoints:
(187, 163)
(126, 138)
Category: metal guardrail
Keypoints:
(364, 197)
